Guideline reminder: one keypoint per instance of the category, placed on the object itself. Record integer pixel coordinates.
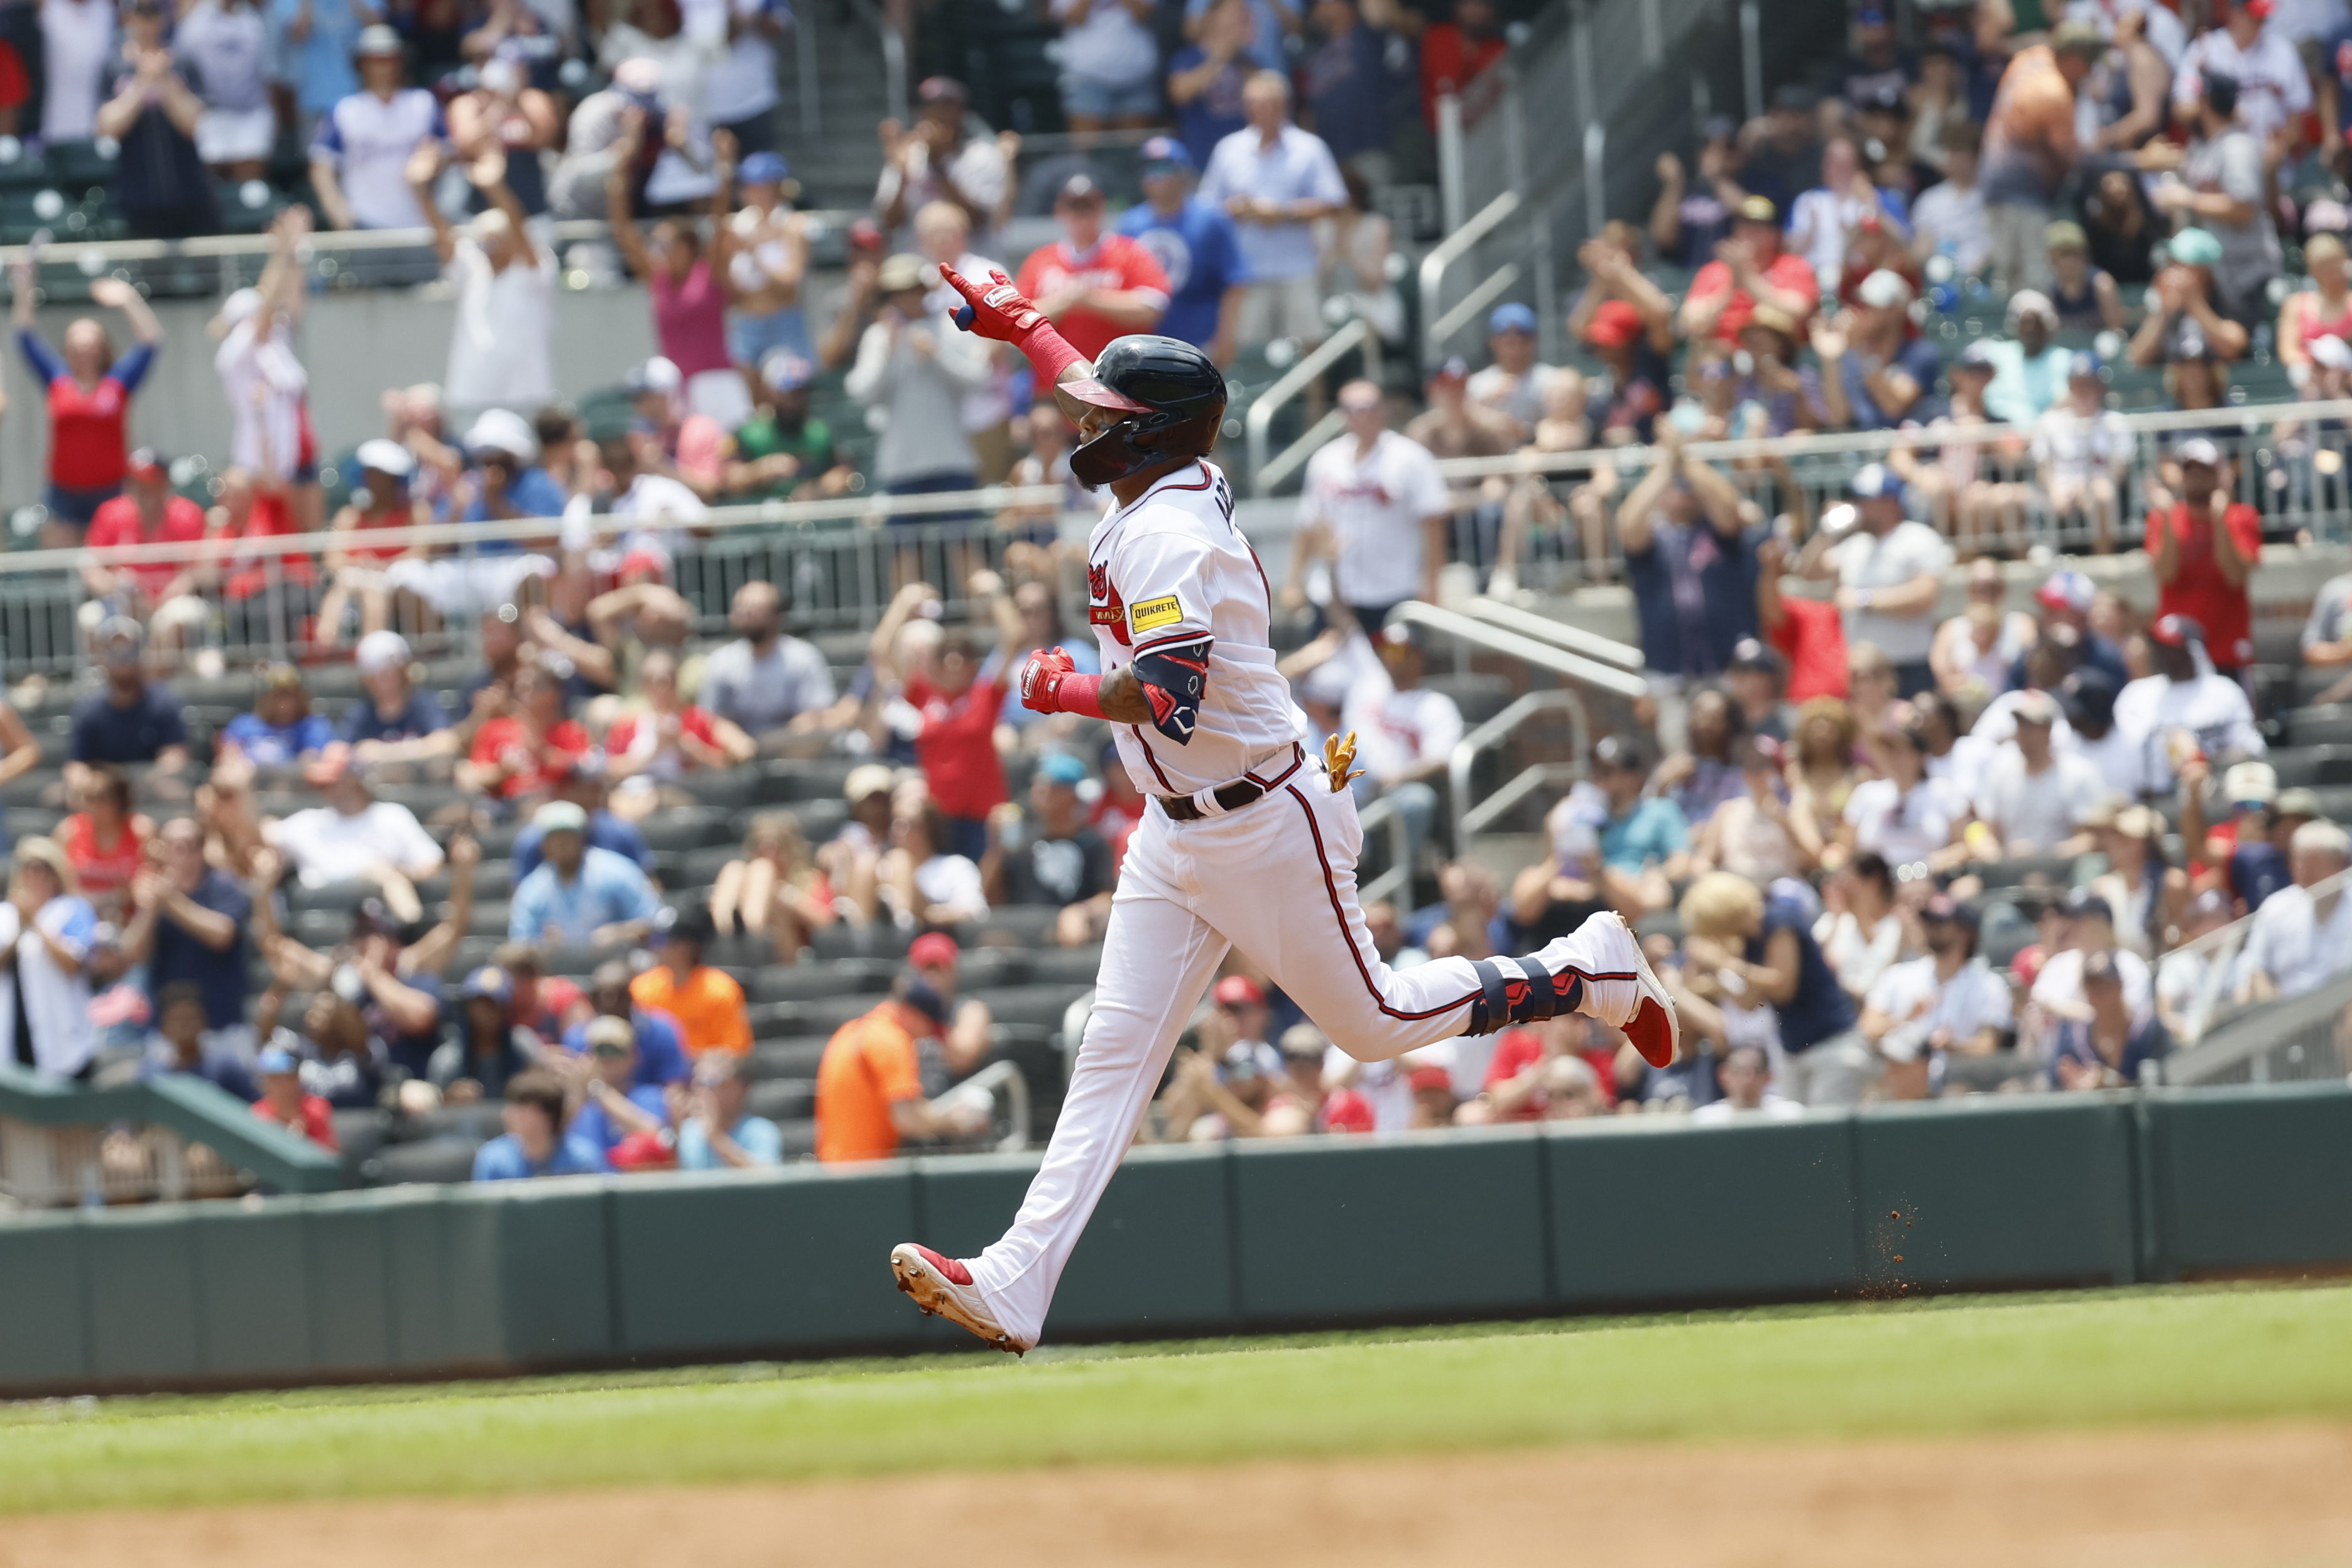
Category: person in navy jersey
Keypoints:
(1205, 78)
(1194, 244)
(130, 719)
(1764, 942)
(1691, 565)
(88, 392)
(358, 159)
(1345, 82)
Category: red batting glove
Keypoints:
(1001, 312)
(1050, 684)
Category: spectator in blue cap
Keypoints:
(1047, 853)
(1195, 244)
(1889, 572)
(769, 262)
(284, 1102)
(1514, 384)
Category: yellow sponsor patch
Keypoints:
(1149, 615)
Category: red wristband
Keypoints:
(1049, 352)
(1080, 694)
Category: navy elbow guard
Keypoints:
(1174, 678)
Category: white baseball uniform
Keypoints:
(1276, 877)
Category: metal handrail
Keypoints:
(1383, 813)
(1560, 634)
(1266, 477)
(1356, 335)
(2246, 1039)
(1468, 818)
(894, 54)
(804, 62)
(1512, 644)
(1005, 1076)
(1450, 249)
(2220, 950)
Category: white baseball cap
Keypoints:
(503, 430)
(381, 651)
(386, 458)
(1884, 291)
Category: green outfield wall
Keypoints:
(1984, 1193)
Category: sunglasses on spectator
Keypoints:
(1873, 672)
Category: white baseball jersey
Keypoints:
(1376, 502)
(1168, 569)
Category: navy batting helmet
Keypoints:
(1173, 399)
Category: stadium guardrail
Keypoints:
(1991, 1193)
(174, 1136)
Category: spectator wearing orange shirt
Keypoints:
(707, 1003)
(869, 1089)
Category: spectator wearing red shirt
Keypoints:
(2203, 552)
(105, 841)
(1456, 53)
(1808, 633)
(1750, 268)
(956, 746)
(1093, 286)
(88, 392)
(283, 1101)
(669, 739)
(160, 593)
(527, 744)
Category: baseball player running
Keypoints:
(1249, 844)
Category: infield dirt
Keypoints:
(2243, 1495)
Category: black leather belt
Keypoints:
(1244, 791)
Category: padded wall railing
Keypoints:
(1639, 1212)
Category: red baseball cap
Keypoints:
(2177, 631)
(933, 949)
(1614, 325)
(1431, 1078)
(1238, 991)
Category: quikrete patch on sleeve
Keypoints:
(1149, 615)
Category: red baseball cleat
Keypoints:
(943, 1287)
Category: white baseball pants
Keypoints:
(1277, 879)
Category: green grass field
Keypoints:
(1924, 1368)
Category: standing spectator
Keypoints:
(162, 594)
(688, 285)
(1275, 180)
(770, 265)
(1196, 248)
(717, 1131)
(88, 392)
(916, 372)
(2265, 71)
(2030, 370)
(1456, 53)
(767, 682)
(1824, 217)
(958, 700)
(1875, 373)
(1382, 508)
(945, 235)
(1345, 82)
(1110, 64)
(2185, 329)
(2219, 189)
(50, 930)
(1406, 731)
(502, 347)
(1625, 400)
(2031, 147)
(228, 44)
(1093, 286)
(1750, 269)
(153, 109)
(1690, 219)
(506, 114)
(130, 719)
(1808, 633)
(1206, 78)
(360, 157)
(1890, 577)
(870, 1087)
(317, 37)
(76, 51)
(1050, 855)
(739, 91)
(1692, 574)
(1762, 941)
(264, 385)
(1274, 24)
(707, 1003)
(2202, 553)
(534, 1142)
(1949, 218)
(578, 895)
(937, 161)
